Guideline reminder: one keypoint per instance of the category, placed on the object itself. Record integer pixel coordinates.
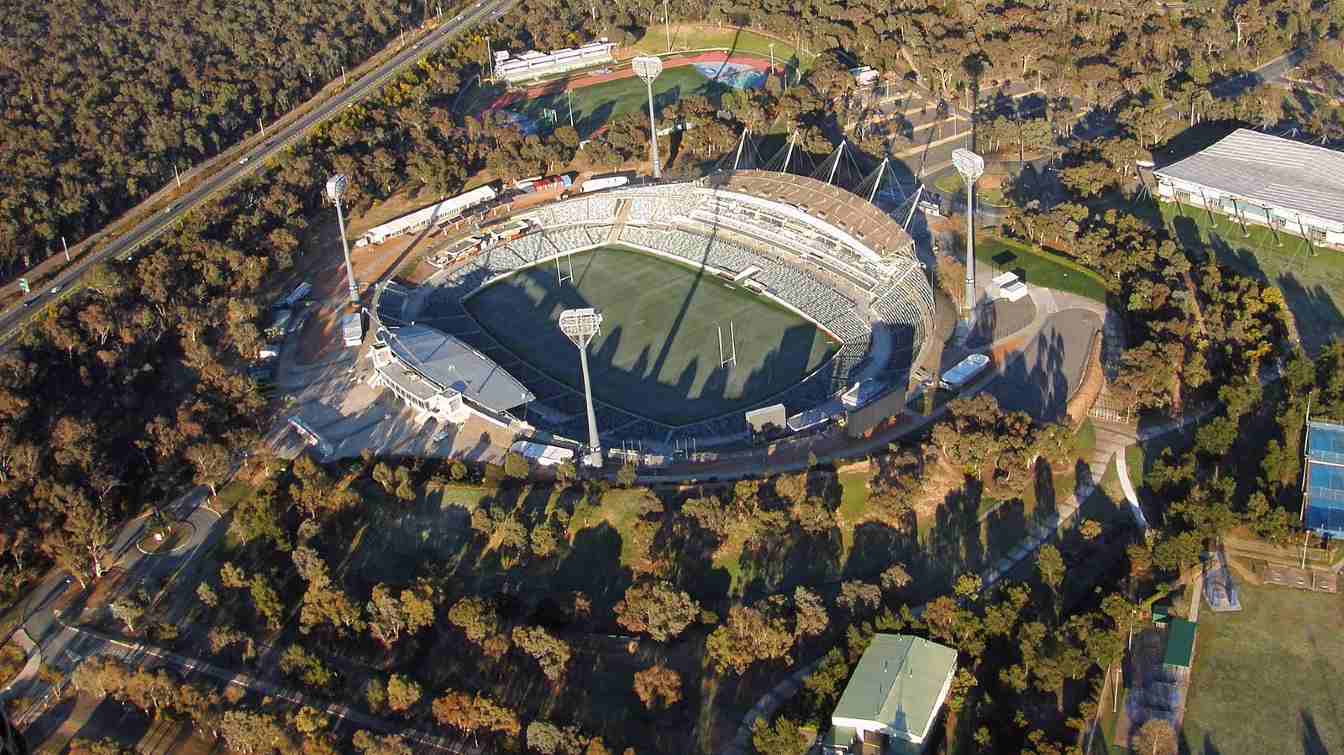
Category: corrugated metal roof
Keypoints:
(1269, 170)
(450, 363)
(1180, 643)
(897, 683)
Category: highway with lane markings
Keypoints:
(244, 164)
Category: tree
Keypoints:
(785, 737)
(626, 475)
(548, 739)
(515, 466)
(402, 693)
(748, 636)
(856, 595)
(658, 687)
(656, 608)
(1050, 565)
(129, 609)
(550, 652)
(472, 714)
(265, 600)
(1155, 737)
(476, 618)
(1090, 529)
(388, 744)
(811, 613)
(212, 462)
(246, 731)
(895, 578)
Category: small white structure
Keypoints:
(1006, 286)
(534, 65)
(542, 454)
(439, 213)
(598, 183)
(352, 329)
(865, 76)
(1263, 180)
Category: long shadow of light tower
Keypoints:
(648, 68)
(971, 166)
(581, 326)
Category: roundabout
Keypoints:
(168, 540)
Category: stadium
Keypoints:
(720, 295)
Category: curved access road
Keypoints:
(241, 164)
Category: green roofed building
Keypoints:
(893, 697)
(1180, 646)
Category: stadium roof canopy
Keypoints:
(845, 210)
(1323, 509)
(449, 363)
(899, 684)
(1269, 171)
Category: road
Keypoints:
(246, 163)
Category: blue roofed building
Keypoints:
(1323, 497)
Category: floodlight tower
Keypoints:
(581, 326)
(648, 67)
(336, 186)
(971, 166)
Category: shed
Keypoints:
(1180, 645)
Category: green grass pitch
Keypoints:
(658, 353)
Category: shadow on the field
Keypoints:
(661, 356)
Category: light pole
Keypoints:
(772, 58)
(581, 326)
(971, 166)
(647, 68)
(336, 186)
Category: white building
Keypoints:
(439, 213)
(440, 377)
(1263, 180)
(534, 65)
(893, 697)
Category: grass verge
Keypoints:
(1040, 268)
(1270, 678)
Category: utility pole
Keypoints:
(261, 126)
(772, 58)
(66, 247)
(177, 176)
(667, 26)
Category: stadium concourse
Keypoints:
(816, 250)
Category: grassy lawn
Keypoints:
(853, 505)
(1040, 268)
(1134, 462)
(1313, 284)
(1269, 679)
(230, 495)
(658, 355)
(695, 37)
(951, 184)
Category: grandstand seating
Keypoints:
(848, 291)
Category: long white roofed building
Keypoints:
(1262, 179)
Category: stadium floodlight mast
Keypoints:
(336, 186)
(581, 326)
(648, 67)
(971, 166)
